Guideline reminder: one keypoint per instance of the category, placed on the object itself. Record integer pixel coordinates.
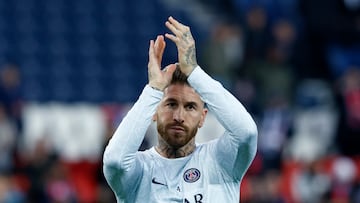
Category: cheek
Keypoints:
(163, 117)
(160, 128)
(162, 120)
(197, 118)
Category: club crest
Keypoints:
(191, 175)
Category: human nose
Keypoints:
(178, 115)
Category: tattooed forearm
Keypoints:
(190, 57)
(150, 75)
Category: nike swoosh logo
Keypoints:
(158, 183)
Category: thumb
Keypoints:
(170, 70)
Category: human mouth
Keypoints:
(177, 128)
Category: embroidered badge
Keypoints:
(191, 175)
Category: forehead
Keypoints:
(181, 92)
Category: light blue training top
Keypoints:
(211, 174)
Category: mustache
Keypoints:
(177, 124)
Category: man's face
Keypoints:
(179, 115)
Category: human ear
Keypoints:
(203, 116)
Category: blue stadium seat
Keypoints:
(84, 50)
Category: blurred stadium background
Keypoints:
(70, 70)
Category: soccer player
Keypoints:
(178, 98)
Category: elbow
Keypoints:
(109, 161)
(110, 168)
(112, 158)
(117, 160)
(252, 132)
(251, 138)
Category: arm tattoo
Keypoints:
(185, 37)
(191, 56)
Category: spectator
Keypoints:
(8, 134)
(224, 53)
(9, 192)
(256, 33)
(349, 125)
(311, 184)
(343, 179)
(10, 92)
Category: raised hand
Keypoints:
(185, 44)
(158, 79)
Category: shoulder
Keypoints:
(207, 148)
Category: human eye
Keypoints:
(190, 107)
(170, 104)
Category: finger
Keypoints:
(170, 70)
(175, 23)
(156, 47)
(159, 42)
(156, 44)
(152, 57)
(172, 28)
(151, 50)
(159, 50)
(172, 38)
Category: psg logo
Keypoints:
(191, 175)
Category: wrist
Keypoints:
(189, 69)
(155, 87)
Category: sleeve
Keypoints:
(235, 150)
(119, 161)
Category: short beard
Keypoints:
(163, 134)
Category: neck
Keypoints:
(170, 152)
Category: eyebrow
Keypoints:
(170, 100)
(186, 103)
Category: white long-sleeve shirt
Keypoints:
(212, 173)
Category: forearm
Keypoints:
(239, 141)
(228, 110)
(121, 149)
